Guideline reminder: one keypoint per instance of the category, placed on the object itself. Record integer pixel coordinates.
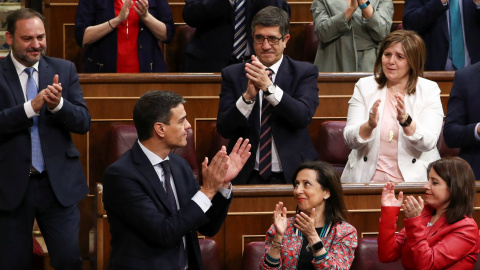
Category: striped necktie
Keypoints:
(265, 157)
(240, 37)
(37, 155)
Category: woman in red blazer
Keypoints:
(440, 235)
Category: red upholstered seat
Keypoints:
(443, 149)
(311, 44)
(331, 147)
(366, 257)
(210, 255)
(124, 136)
(252, 254)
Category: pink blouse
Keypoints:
(387, 164)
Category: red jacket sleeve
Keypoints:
(391, 244)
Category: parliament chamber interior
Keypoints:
(111, 97)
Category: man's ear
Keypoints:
(9, 38)
(159, 129)
(286, 38)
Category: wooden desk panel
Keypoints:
(250, 216)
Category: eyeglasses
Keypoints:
(272, 40)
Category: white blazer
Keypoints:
(415, 152)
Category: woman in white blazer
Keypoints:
(394, 111)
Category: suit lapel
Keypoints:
(45, 74)
(11, 77)
(284, 75)
(146, 169)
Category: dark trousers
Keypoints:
(274, 178)
(59, 226)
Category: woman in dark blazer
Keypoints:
(124, 36)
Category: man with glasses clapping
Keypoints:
(270, 100)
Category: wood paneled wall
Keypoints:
(60, 20)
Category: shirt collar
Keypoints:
(152, 157)
(19, 67)
(276, 66)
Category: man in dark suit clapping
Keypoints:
(270, 100)
(154, 204)
(41, 176)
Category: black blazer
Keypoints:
(145, 233)
(61, 157)
(211, 46)
(463, 116)
(290, 118)
(429, 19)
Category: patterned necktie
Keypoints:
(265, 161)
(182, 259)
(37, 156)
(240, 37)
(457, 49)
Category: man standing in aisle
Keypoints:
(41, 176)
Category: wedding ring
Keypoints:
(371, 111)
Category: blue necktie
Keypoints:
(457, 50)
(265, 157)
(37, 156)
(240, 37)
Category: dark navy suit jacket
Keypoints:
(101, 56)
(211, 46)
(290, 118)
(145, 232)
(61, 157)
(463, 116)
(429, 19)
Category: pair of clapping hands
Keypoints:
(411, 206)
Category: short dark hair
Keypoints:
(460, 179)
(335, 209)
(415, 54)
(272, 16)
(21, 14)
(152, 107)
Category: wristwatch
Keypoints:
(270, 89)
(407, 122)
(315, 247)
(249, 102)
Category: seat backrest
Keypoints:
(217, 142)
(331, 147)
(252, 254)
(210, 255)
(311, 44)
(366, 257)
(124, 136)
(443, 149)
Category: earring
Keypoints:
(325, 198)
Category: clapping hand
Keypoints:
(412, 207)
(280, 218)
(374, 115)
(388, 196)
(238, 157)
